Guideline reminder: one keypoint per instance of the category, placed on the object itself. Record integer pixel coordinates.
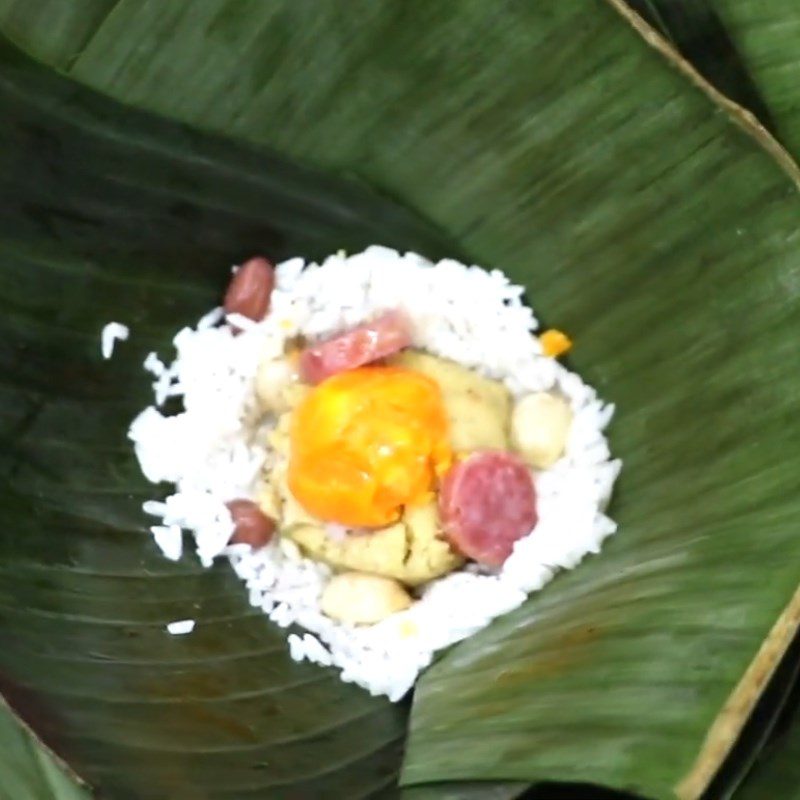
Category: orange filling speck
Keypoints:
(555, 343)
(366, 442)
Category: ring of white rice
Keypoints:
(216, 448)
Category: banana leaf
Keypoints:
(106, 213)
(746, 48)
(777, 772)
(766, 34)
(29, 769)
(712, 34)
(551, 141)
(695, 30)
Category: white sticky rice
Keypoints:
(112, 332)
(215, 449)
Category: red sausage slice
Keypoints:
(487, 502)
(368, 342)
(250, 289)
(251, 525)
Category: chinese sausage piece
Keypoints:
(250, 289)
(379, 338)
(487, 502)
(251, 525)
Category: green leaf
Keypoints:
(778, 774)
(746, 48)
(28, 770)
(546, 139)
(109, 214)
(484, 790)
(695, 29)
(57, 30)
(766, 34)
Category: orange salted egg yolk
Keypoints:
(366, 442)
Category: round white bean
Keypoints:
(362, 599)
(539, 427)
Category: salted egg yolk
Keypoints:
(366, 442)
